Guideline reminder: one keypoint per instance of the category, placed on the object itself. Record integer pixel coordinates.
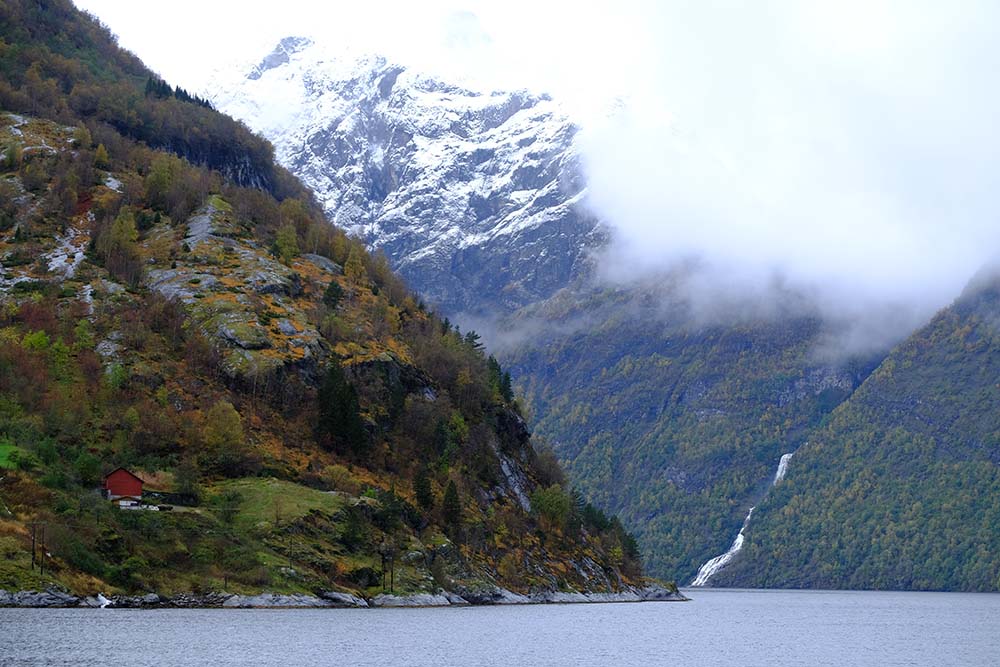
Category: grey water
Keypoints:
(719, 627)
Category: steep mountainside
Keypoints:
(472, 196)
(901, 489)
(676, 426)
(305, 417)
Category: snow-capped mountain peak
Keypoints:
(472, 195)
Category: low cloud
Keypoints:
(844, 155)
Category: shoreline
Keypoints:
(55, 599)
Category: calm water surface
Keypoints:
(718, 628)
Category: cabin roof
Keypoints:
(126, 471)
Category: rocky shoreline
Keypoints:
(330, 599)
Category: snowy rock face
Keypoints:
(473, 197)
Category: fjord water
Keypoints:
(718, 627)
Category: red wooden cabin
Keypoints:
(121, 482)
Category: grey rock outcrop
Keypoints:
(47, 598)
(337, 599)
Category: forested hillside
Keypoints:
(175, 303)
(678, 426)
(901, 489)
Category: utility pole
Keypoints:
(42, 558)
(382, 551)
(2, 503)
(33, 527)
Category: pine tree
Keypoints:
(451, 507)
(340, 424)
(334, 293)
(422, 489)
(506, 390)
(472, 339)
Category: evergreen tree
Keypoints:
(472, 339)
(422, 489)
(506, 390)
(340, 426)
(451, 507)
(499, 379)
(334, 293)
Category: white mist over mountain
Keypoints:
(848, 154)
(844, 149)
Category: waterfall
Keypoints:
(782, 467)
(712, 567)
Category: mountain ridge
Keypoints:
(463, 189)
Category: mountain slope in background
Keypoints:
(173, 301)
(678, 426)
(901, 489)
(473, 196)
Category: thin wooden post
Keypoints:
(42, 557)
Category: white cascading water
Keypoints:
(712, 567)
(782, 468)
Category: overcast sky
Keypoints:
(847, 148)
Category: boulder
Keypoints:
(485, 596)
(244, 335)
(325, 264)
(656, 593)
(455, 599)
(343, 599)
(286, 327)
